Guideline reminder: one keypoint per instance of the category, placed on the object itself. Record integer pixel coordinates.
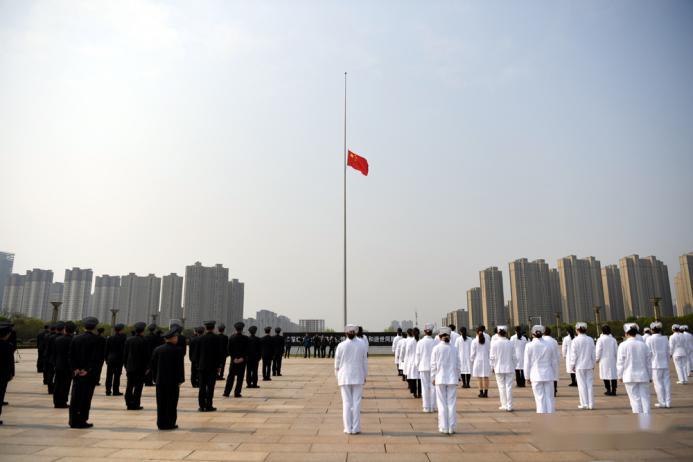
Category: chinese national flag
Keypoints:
(358, 162)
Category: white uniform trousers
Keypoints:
(639, 396)
(585, 382)
(543, 396)
(505, 390)
(662, 386)
(351, 407)
(681, 363)
(446, 395)
(428, 392)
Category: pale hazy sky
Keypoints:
(144, 136)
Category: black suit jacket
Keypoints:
(208, 352)
(167, 365)
(85, 353)
(61, 352)
(115, 348)
(136, 356)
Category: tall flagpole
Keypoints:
(345, 200)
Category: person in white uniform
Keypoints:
(628, 325)
(634, 366)
(503, 361)
(678, 348)
(399, 355)
(464, 348)
(453, 334)
(445, 373)
(351, 369)
(540, 370)
(410, 370)
(606, 356)
(689, 337)
(582, 358)
(659, 350)
(646, 333)
(556, 357)
(424, 348)
(519, 341)
(395, 341)
(481, 361)
(567, 352)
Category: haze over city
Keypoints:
(145, 136)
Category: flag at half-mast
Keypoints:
(357, 162)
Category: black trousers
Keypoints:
(520, 377)
(223, 367)
(166, 406)
(133, 390)
(236, 374)
(61, 391)
(306, 352)
(39, 363)
(148, 379)
(415, 387)
(287, 351)
(205, 397)
(80, 399)
(3, 389)
(266, 367)
(48, 376)
(114, 370)
(251, 372)
(194, 375)
(277, 364)
(611, 386)
(330, 354)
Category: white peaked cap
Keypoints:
(350, 328)
(444, 330)
(538, 328)
(656, 324)
(428, 327)
(628, 325)
(500, 328)
(580, 325)
(674, 326)
(683, 327)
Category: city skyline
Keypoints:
(143, 136)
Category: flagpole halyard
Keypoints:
(345, 200)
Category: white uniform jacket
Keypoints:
(582, 354)
(399, 352)
(659, 349)
(424, 347)
(678, 345)
(502, 356)
(351, 363)
(519, 345)
(567, 352)
(606, 355)
(480, 358)
(634, 363)
(453, 337)
(410, 369)
(464, 348)
(445, 364)
(555, 351)
(394, 344)
(540, 361)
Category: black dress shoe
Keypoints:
(5, 403)
(237, 396)
(108, 393)
(139, 408)
(279, 374)
(211, 409)
(117, 394)
(226, 395)
(61, 406)
(200, 409)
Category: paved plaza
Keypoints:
(297, 417)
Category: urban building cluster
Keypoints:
(404, 325)
(574, 289)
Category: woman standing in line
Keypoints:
(481, 361)
(464, 348)
(567, 354)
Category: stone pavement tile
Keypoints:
(226, 455)
(630, 454)
(498, 447)
(246, 438)
(9, 431)
(115, 435)
(680, 452)
(199, 445)
(549, 456)
(347, 447)
(368, 457)
(90, 452)
(509, 438)
(312, 439)
(457, 457)
(19, 449)
(139, 444)
(48, 441)
(151, 454)
(273, 447)
(180, 435)
(453, 439)
(23, 458)
(413, 448)
(307, 457)
(379, 438)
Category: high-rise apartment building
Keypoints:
(171, 299)
(641, 280)
(457, 317)
(76, 293)
(206, 294)
(311, 325)
(37, 285)
(492, 301)
(534, 292)
(684, 285)
(106, 297)
(475, 311)
(138, 299)
(613, 293)
(6, 265)
(56, 293)
(13, 293)
(581, 287)
(235, 300)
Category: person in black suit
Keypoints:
(182, 342)
(6, 360)
(208, 360)
(102, 339)
(278, 341)
(168, 373)
(61, 360)
(267, 349)
(223, 345)
(136, 360)
(115, 346)
(238, 351)
(40, 340)
(254, 354)
(85, 361)
(153, 340)
(48, 367)
(194, 356)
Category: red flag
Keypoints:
(358, 162)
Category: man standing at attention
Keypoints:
(541, 369)
(351, 369)
(278, 341)
(238, 351)
(424, 348)
(167, 373)
(115, 345)
(136, 358)
(267, 348)
(85, 361)
(208, 361)
(445, 374)
(582, 359)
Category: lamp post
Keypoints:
(56, 309)
(182, 322)
(655, 306)
(596, 317)
(154, 317)
(114, 314)
(558, 324)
